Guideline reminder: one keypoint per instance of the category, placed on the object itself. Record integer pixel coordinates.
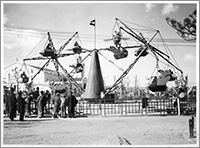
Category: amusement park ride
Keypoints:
(144, 47)
(51, 54)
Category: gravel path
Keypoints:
(99, 131)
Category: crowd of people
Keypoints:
(20, 101)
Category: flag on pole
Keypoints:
(93, 22)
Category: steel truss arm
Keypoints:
(81, 61)
(156, 51)
(62, 47)
(57, 68)
(51, 41)
(132, 33)
(153, 49)
(119, 80)
(142, 40)
(71, 79)
(36, 58)
(41, 69)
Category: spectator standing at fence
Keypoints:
(44, 102)
(47, 100)
(71, 103)
(40, 101)
(144, 104)
(176, 106)
(28, 104)
(21, 104)
(63, 105)
(6, 107)
(56, 105)
(12, 104)
(36, 94)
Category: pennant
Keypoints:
(92, 22)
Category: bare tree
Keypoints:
(187, 29)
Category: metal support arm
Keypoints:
(62, 47)
(119, 80)
(71, 79)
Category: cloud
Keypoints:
(169, 8)
(5, 19)
(189, 58)
(18, 43)
(149, 7)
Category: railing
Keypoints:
(126, 107)
(123, 107)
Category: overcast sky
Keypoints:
(25, 25)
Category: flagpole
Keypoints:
(95, 35)
(93, 23)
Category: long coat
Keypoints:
(71, 103)
(21, 105)
(12, 105)
(56, 102)
(40, 101)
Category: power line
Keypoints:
(60, 35)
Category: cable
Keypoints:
(35, 46)
(37, 29)
(111, 62)
(137, 24)
(87, 37)
(169, 51)
(10, 65)
(82, 60)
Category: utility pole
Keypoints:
(135, 89)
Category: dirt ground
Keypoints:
(99, 131)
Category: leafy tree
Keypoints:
(187, 29)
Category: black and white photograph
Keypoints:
(99, 74)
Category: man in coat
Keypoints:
(21, 104)
(12, 104)
(71, 103)
(36, 94)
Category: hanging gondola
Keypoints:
(159, 83)
(77, 48)
(48, 51)
(78, 66)
(24, 77)
(170, 73)
(144, 53)
(154, 87)
(119, 51)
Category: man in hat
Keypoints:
(71, 103)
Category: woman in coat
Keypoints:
(12, 104)
(56, 102)
(40, 101)
(63, 105)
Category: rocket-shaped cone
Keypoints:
(95, 84)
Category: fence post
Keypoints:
(179, 107)
(100, 106)
(191, 127)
